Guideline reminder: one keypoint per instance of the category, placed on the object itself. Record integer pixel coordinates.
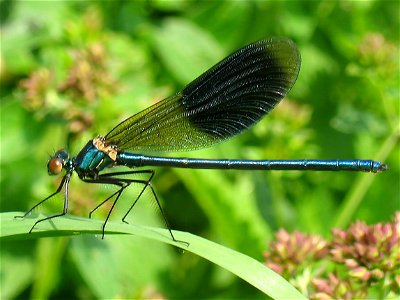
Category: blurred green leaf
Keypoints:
(186, 50)
(17, 273)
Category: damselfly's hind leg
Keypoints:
(123, 183)
(115, 179)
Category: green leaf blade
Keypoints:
(245, 267)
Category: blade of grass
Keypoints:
(239, 264)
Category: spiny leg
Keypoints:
(123, 183)
(47, 198)
(113, 181)
(111, 209)
(146, 183)
(97, 207)
(109, 178)
(65, 181)
(164, 216)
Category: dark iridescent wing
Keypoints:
(227, 99)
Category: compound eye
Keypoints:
(55, 166)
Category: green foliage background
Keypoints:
(344, 105)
